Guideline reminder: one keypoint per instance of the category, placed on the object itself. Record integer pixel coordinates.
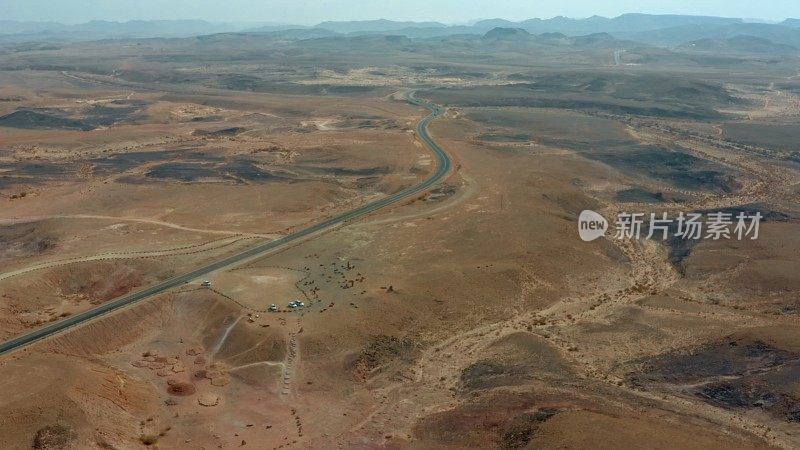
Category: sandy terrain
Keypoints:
(471, 316)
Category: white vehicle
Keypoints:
(206, 284)
(296, 304)
(273, 307)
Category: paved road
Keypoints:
(443, 167)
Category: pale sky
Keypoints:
(309, 12)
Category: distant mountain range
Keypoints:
(380, 26)
(663, 30)
(596, 24)
(738, 44)
(100, 29)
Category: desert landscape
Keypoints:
(324, 238)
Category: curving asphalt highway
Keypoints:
(443, 167)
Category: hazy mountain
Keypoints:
(597, 24)
(494, 23)
(274, 28)
(678, 35)
(424, 33)
(100, 29)
(146, 28)
(381, 25)
(303, 33)
(14, 27)
(506, 34)
(594, 39)
(791, 23)
(625, 22)
(574, 27)
(645, 22)
(750, 44)
(518, 36)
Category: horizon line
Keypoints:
(470, 22)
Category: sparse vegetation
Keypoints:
(53, 437)
(148, 439)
